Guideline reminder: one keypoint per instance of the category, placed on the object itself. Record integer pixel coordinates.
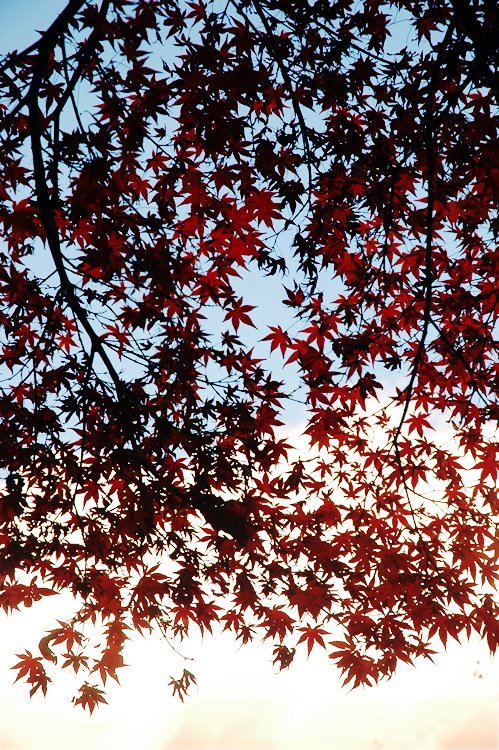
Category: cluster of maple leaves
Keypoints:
(159, 161)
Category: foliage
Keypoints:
(216, 216)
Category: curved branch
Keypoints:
(44, 200)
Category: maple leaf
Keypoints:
(89, 697)
(277, 622)
(283, 656)
(32, 669)
(75, 661)
(311, 636)
(312, 599)
(278, 339)
(239, 314)
(419, 423)
(488, 463)
(260, 204)
(110, 661)
(181, 685)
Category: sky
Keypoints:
(241, 702)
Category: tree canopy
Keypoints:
(218, 219)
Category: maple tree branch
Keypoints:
(460, 357)
(289, 85)
(50, 35)
(355, 46)
(428, 557)
(44, 200)
(89, 48)
(70, 91)
(484, 42)
(388, 222)
(430, 180)
(44, 45)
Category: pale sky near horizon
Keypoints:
(241, 702)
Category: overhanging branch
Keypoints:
(44, 200)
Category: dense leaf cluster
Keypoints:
(213, 214)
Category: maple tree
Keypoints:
(215, 215)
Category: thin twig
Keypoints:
(88, 50)
(430, 178)
(289, 85)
